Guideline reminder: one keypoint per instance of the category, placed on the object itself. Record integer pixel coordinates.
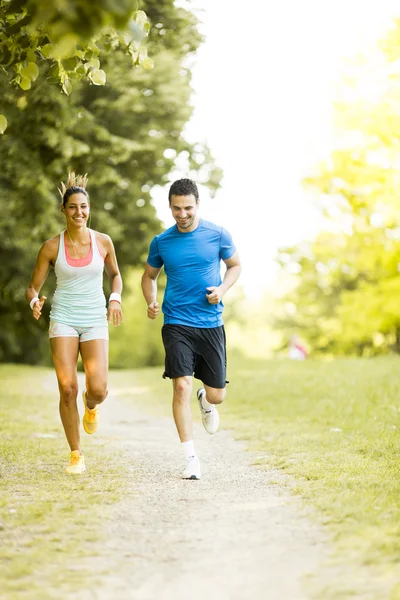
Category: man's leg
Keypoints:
(179, 366)
(182, 387)
(208, 397)
(213, 396)
(211, 369)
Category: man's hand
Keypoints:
(153, 309)
(214, 294)
(37, 308)
(114, 313)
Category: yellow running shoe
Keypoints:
(76, 463)
(91, 417)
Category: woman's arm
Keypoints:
(114, 314)
(43, 262)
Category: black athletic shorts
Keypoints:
(195, 351)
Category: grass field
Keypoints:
(48, 518)
(332, 426)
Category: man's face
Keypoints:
(184, 211)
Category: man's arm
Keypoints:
(149, 289)
(233, 269)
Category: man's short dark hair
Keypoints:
(183, 187)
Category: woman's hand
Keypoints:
(37, 308)
(114, 313)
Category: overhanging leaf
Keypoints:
(31, 71)
(3, 124)
(148, 63)
(25, 83)
(97, 76)
(67, 87)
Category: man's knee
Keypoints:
(182, 385)
(215, 395)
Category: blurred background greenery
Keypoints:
(341, 289)
(106, 90)
(126, 135)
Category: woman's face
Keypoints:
(77, 210)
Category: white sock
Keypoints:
(188, 449)
(205, 403)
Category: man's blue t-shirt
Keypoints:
(192, 263)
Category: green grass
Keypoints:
(334, 427)
(48, 518)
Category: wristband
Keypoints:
(33, 302)
(115, 296)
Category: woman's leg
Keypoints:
(95, 362)
(65, 355)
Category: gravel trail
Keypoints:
(236, 534)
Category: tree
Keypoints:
(345, 295)
(68, 36)
(126, 134)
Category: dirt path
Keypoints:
(236, 534)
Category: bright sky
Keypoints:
(264, 83)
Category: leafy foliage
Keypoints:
(127, 135)
(69, 37)
(347, 281)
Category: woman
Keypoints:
(78, 316)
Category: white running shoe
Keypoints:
(192, 470)
(210, 417)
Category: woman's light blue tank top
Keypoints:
(79, 299)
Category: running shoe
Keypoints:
(91, 417)
(209, 417)
(192, 470)
(76, 463)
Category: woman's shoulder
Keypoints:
(52, 243)
(50, 248)
(103, 240)
(102, 237)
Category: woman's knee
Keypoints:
(68, 392)
(215, 395)
(97, 392)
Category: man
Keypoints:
(193, 333)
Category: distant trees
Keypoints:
(347, 293)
